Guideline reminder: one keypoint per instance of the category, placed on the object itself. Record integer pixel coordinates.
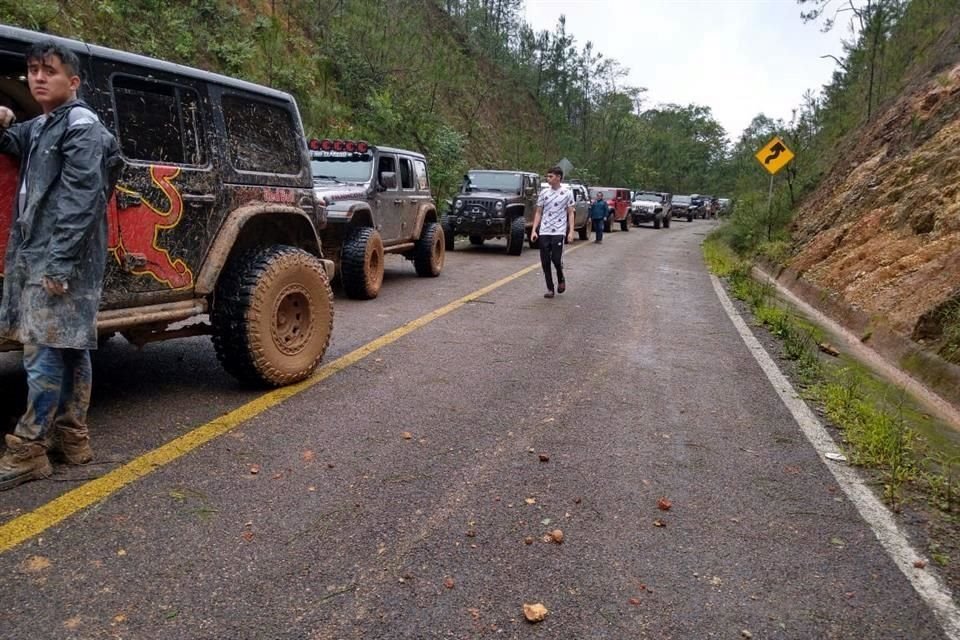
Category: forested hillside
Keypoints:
(467, 82)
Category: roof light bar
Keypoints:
(340, 146)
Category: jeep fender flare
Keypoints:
(426, 213)
(231, 229)
(514, 211)
(353, 212)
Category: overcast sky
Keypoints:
(739, 57)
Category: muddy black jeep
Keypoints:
(378, 201)
(494, 204)
(214, 217)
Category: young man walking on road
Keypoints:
(55, 261)
(599, 210)
(552, 224)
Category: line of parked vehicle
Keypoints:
(227, 215)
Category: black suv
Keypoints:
(214, 212)
(683, 207)
(378, 201)
(494, 204)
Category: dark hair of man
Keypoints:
(557, 171)
(40, 51)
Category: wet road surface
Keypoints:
(409, 494)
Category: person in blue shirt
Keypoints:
(599, 211)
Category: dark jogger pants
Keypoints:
(598, 228)
(551, 250)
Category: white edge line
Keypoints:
(926, 583)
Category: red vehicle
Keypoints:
(619, 201)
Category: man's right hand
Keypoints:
(7, 117)
(533, 236)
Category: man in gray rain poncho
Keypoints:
(55, 261)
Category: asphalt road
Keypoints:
(396, 498)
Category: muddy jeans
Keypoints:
(58, 390)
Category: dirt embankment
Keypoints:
(882, 232)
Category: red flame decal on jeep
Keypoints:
(135, 232)
(8, 191)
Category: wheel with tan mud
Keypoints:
(429, 252)
(361, 263)
(272, 315)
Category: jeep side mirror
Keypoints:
(388, 179)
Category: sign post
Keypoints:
(773, 157)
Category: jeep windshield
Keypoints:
(648, 197)
(347, 169)
(492, 181)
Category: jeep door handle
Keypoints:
(199, 198)
(398, 202)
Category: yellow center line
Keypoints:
(47, 515)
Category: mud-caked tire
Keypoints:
(428, 254)
(448, 237)
(361, 263)
(517, 236)
(272, 315)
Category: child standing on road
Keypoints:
(552, 223)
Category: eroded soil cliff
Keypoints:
(883, 229)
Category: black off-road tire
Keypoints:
(689, 217)
(656, 222)
(516, 237)
(625, 225)
(476, 240)
(607, 225)
(361, 263)
(583, 233)
(448, 236)
(666, 222)
(272, 315)
(429, 254)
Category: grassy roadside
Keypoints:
(914, 460)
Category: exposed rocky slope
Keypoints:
(882, 231)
